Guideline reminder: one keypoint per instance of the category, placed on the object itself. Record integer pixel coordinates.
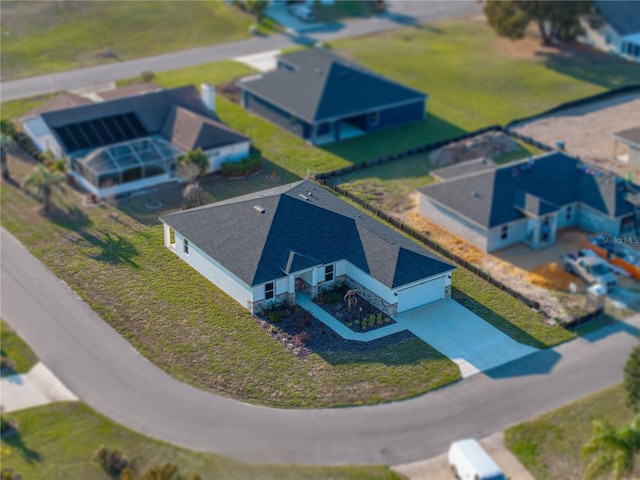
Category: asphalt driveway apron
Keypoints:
(461, 335)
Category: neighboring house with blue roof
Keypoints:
(264, 247)
(130, 138)
(617, 31)
(322, 97)
(530, 201)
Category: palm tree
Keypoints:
(42, 180)
(614, 450)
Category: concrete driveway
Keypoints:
(461, 335)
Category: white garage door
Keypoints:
(420, 295)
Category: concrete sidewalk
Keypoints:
(437, 468)
(345, 332)
(38, 387)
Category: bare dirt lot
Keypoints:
(586, 131)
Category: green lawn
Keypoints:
(59, 440)
(191, 329)
(473, 82)
(14, 348)
(214, 73)
(505, 312)
(550, 445)
(45, 37)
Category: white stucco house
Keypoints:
(264, 247)
(530, 201)
(617, 28)
(127, 139)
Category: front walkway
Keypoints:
(464, 337)
(305, 302)
(37, 387)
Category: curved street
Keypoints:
(105, 372)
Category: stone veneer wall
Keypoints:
(255, 307)
(390, 309)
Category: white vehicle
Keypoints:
(469, 461)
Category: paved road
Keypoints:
(104, 371)
(401, 14)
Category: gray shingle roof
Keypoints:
(189, 130)
(504, 194)
(320, 85)
(177, 113)
(623, 16)
(303, 225)
(631, 135)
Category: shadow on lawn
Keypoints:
(115, 249)
(590, 66)
(14, 440)
(394, 140)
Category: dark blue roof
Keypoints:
(538, 187)
(302, 225)
(623, 16)
(317, 85)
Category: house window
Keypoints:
(328, 273)
(569, 212)
(269, 291)
(504, 233)
(185, 246)
(374, 118)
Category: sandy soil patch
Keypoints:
(587, 130)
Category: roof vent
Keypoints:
(475, 194)
(259, 208)
(318, 70)
(304, 197)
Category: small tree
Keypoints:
(612, 451)
(257, 7)
(632, 380)
(42, 181)
(192, 166)
(555, 19)
(7, 142)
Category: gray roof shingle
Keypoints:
(177, 113)
(320, 85)
(303, 225)
(631, 135)
(505, 193)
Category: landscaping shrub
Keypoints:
(111, 460)
(26, 145)
(243, 168)
(6, 365)
(147, 76)
(9, 474)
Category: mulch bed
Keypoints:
(302, 334)
(363, 317)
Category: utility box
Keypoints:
(596, 296)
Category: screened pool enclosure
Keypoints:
(124, 163)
